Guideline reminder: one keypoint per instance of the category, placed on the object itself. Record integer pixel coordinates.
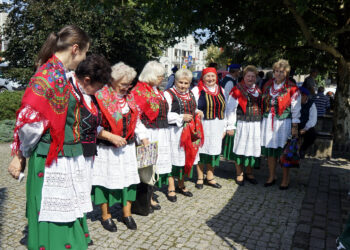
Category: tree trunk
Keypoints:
(342, 105)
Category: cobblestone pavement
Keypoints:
(310, 214)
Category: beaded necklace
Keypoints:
(276, 91)
(251, 90)
(121, 101)
(183, 96)
(215, 93)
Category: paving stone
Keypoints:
(249, 217)
(317, 243)
(317, 233)
(305, 228)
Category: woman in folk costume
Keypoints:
(210, 99)
(115, 172)
(281, 113)
(186, 131)
(154, 115)
(243, 113)
(48, 130)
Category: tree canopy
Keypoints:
(121, 33)
(306, 32)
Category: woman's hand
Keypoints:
(187, 117)
(200, 114)
(145, 142)
(117, 140)
(17, 165)
(295, 130)
(230, 132)
(303, 131)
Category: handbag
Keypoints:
(147, 155)
(142, 204)
(290, 157)
(149, 175)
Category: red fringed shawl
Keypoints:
(48, 93)
(147, 99)
(192, 138)
(109, 105)
(286, 93)
(239, 92)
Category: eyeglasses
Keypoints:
(125, 85)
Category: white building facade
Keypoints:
(3, 17)
(185, 54)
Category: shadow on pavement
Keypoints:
(307, 215)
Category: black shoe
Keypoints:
(129, 222)
(239, 183)
(269, 184)
(251, 180)
(90, 243)
(284, 187)
(156, 207)
(199, 186)
(185, 193)
(171, 198)
(216, 185)
(109, 225)
(151, 210)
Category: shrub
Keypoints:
(6, 130)
(10, 103)
(21, 75)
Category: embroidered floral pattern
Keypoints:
(50, 84)
(111, 106)
(148, 99)
(48, 94)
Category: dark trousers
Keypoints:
(308, 139)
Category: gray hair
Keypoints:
(121, 70)
(183, 73)
(151, 71)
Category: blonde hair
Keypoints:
(250, 68)
(151, 71)
(183, 73)
(121, 70)
(281, 64)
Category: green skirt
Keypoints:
(227, 147)
(100, 195)
(213, 160)
(179, 172)
(344, 238)
(246, 161)
(271, 152)
(163, 180)
(49, 235)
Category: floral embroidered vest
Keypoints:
(182, 105)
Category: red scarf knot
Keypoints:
(111, 107)
(147, 99)
(241, 92)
